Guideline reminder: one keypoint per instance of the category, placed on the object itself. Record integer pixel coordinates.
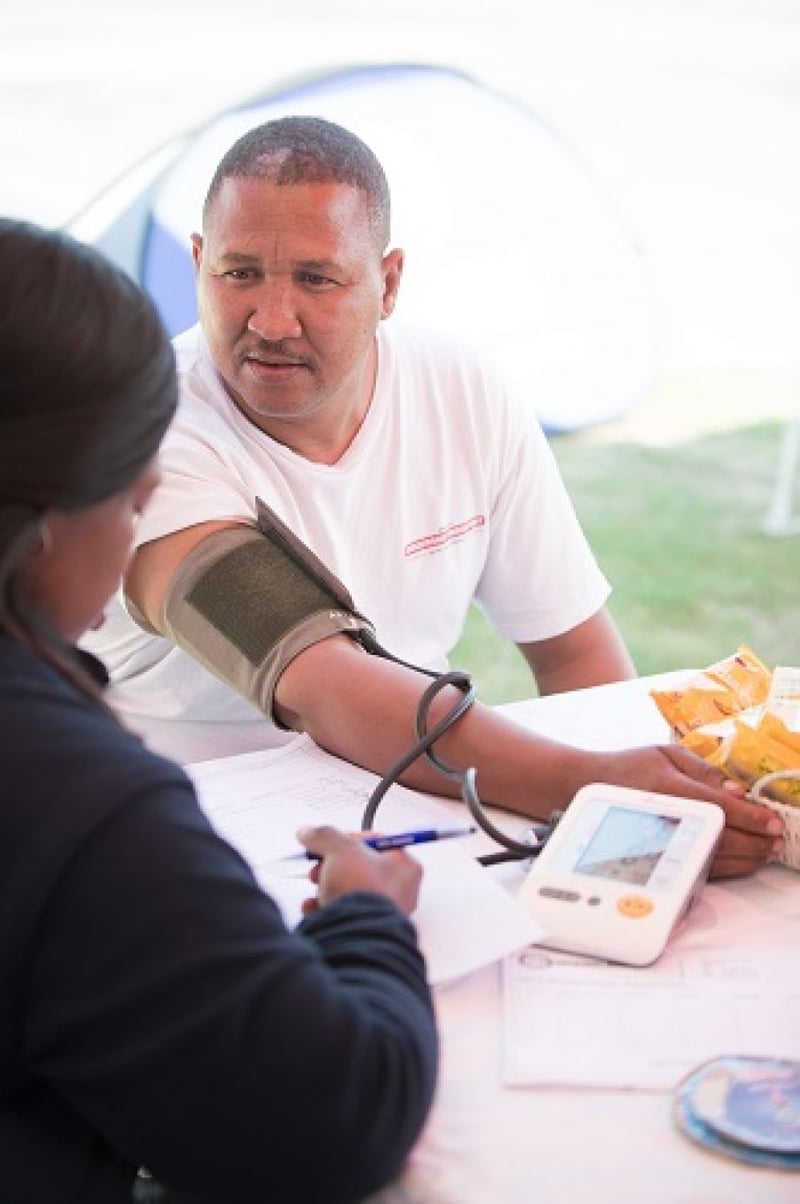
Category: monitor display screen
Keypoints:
(627, 845)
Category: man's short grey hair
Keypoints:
(307, 150)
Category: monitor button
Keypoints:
(634, 906)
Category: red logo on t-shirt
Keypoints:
(445, 535)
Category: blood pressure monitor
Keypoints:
(620, 870)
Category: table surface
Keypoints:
(490, 1144)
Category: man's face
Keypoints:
(291, 286)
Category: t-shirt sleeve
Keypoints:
(541, 577)
(236, 1059)
(201, 480)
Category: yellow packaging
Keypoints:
(783, 699)
(747, 677)
(744, 720)
(775, 729)
(752, 753)
(707, 745)
(734, 684)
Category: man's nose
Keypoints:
(275, 314)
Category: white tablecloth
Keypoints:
(488, 1144)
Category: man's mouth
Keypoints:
(273, 365)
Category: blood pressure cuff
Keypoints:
(246, 601)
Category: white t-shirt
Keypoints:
(448, 492)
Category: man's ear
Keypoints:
(197, 250)
(392, 269)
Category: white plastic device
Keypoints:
(620, 870)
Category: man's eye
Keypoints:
(239, 274)
(316, 280)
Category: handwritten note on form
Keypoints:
(257, 801)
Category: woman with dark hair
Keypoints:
(154, 1009)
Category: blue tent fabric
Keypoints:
(164, 274)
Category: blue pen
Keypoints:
(397, 840)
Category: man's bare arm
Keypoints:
(591, 654)
(362, 708)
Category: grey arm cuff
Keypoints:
(245, 602)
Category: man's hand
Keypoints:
(752, 834)
(346, 864)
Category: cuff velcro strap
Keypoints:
(246, 601)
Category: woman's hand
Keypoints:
(346, 864)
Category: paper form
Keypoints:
(576, 1021)
(257, 801)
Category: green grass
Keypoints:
(678, 533)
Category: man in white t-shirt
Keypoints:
(446, 492)
(400, 460)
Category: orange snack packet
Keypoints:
(734, 684)
(707, 745)
(752, 753)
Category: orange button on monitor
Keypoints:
(634, 906)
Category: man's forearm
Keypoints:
(363, 708)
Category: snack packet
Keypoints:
(783, 699)
(743, 719)
(752, 753)
(736, 683)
